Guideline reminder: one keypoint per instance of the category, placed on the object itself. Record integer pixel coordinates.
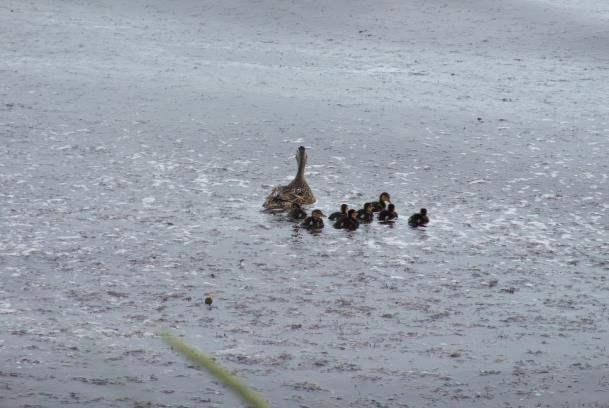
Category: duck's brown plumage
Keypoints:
(297, 192)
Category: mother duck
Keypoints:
(297, 192)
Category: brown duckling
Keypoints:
(336, 216)
(381, 204)
(297, 213)
(366, 214)
(419, 219)
(350, 222)
(388, 214)
(315, 221)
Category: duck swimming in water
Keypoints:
(314, 222)
(297, 213)
(338, 215)
(388, 214)
(380, 205)
(297, 192)
(366, 214)
(419, 219)
(349, 223)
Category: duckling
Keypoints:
(297, 192)
(380, 205)
(366, 214)
(335, 216)
(208, 301)
(315, 221)
(419, 219)
(388, 214)
(350, 222)
(297, 213)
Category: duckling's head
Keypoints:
(317, 214)
(352, 214)
(368, 207)
(391, 208)
(344, 208)
(423, 211)
(384, 197)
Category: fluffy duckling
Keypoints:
(315, 221)
(419, 219)
(380, 205)
(336, 216)
(366, 214)
(388, 214)
(297, 213)
(350, 222)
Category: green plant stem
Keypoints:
(248, 396)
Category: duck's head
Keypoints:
(352, 214)
(301, 156)
(384, 197)
(344, 208)
(423, 211)
(317, 214)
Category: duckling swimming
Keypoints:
(297, 213)
(350, 222)
(380, 205)
(297, 192)
(335, 216)
(366, 214)
(419, 219)
(315, 221)
(388, 214)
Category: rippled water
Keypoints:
(132, 186)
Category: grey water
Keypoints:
(140, 140)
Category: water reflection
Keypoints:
(421, 233)
(390, 224)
